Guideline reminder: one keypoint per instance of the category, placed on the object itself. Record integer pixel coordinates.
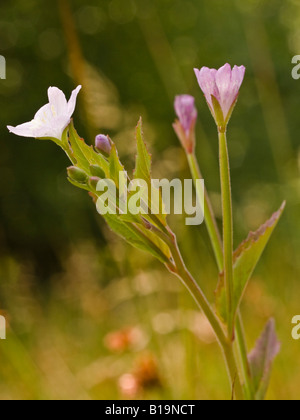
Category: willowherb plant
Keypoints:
(149, 231)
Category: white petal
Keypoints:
(57, 101)
(57, 126)
(24, 130)
(72, 101)
(52, 119)
(43, 115)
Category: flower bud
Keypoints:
(97, 171)
(185, 125)
(103, 144)
(93, 182)
(77, 175)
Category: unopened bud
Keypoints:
(93, 182)
(103, 144)
(97, 171)
(185, 125)
(77, 175)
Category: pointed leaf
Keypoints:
(245, 260)
(128, 226)
(83, 155)
(143, 171)
(116, 168)
(261, 359)
(143, 158)
(139, 238)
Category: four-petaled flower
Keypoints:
(52, 119)
(221, 89)
(185, 126)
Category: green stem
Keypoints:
(227, 228)
(216, 241)
(210, 219)
(217, 245)
(181, 271)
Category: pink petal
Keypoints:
(223, 81)
(207, 81)
(237, 77)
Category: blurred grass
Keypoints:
(90, 317)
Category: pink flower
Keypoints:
(52, 119)
(185, 126)
(223, 85)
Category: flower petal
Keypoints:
(57, 126)
(237, 77)
(52, 119)
(223, 78)
(223, 84)
(72, 101)
(207, 81)
(31, 129)
(43, 115)
(57, 101)
(223, 81)
(24, 130)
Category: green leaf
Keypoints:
(115, 167)
(131, 218)
(83, 155)
(245, 260)
(139, 237)
(128, 226)
(143, 158)
(143, 171)
(261, 359)
(161, 245)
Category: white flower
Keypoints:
(52, 119)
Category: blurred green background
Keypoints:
(88, 316)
